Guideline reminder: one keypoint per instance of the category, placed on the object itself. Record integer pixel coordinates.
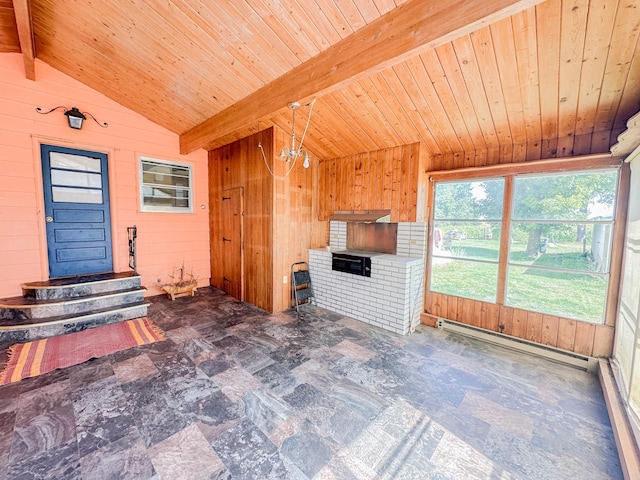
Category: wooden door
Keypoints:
(76, 204)
(233, 242)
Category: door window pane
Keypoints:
(76, 179)
(76, 195)
(74, 162)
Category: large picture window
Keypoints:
(467, 223)
(556, 255)
(561, 232)
(165, 186)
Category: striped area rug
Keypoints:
(41, 356)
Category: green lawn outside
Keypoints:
(565, 294)
(466, 279)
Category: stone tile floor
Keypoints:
(234, 393)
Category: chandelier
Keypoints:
(291, 154)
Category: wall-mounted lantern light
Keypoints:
(74, 116)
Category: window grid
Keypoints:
(170, 197)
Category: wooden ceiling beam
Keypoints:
(22, 10)
(405, 31)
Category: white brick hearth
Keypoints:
(391, 298)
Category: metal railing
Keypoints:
(132, 233)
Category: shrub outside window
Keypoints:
(165, 186)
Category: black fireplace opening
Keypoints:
(349, 263)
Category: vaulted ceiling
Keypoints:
(462, 77)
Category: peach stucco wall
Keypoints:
(164, 240)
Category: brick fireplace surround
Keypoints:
(392, 298)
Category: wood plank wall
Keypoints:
(240, 164)
(279, 225)
(389, 179)
(295, 224)
(575, 336)
(572, 335)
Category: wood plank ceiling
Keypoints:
(563, 75)
(9, 42)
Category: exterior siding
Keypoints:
(165, 240)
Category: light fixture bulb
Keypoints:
(282, 153)
(305, 164)
(75, 118)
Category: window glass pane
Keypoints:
(163, 179)
(76, 195)
(564, 294)
(477, 240)
(562, 245)
(635, 379)
(76, 179)
(166, 201)
(74, 162)
(160, 201)
(468, 200)
(467, 226)
(165, 169)
(166, 187)
(165, 192)
(625, 344)
(464, 278)
(567, 196)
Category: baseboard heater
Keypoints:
(572, 359)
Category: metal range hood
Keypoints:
(362, 216)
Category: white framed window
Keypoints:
(165, 186)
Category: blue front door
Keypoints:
(76, 203)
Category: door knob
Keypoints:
(49, 219)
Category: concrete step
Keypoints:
(66, 305)
(52, 326)
(83, 285)
(32, 310)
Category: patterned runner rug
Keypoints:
(41, 356)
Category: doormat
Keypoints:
(41, 356)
